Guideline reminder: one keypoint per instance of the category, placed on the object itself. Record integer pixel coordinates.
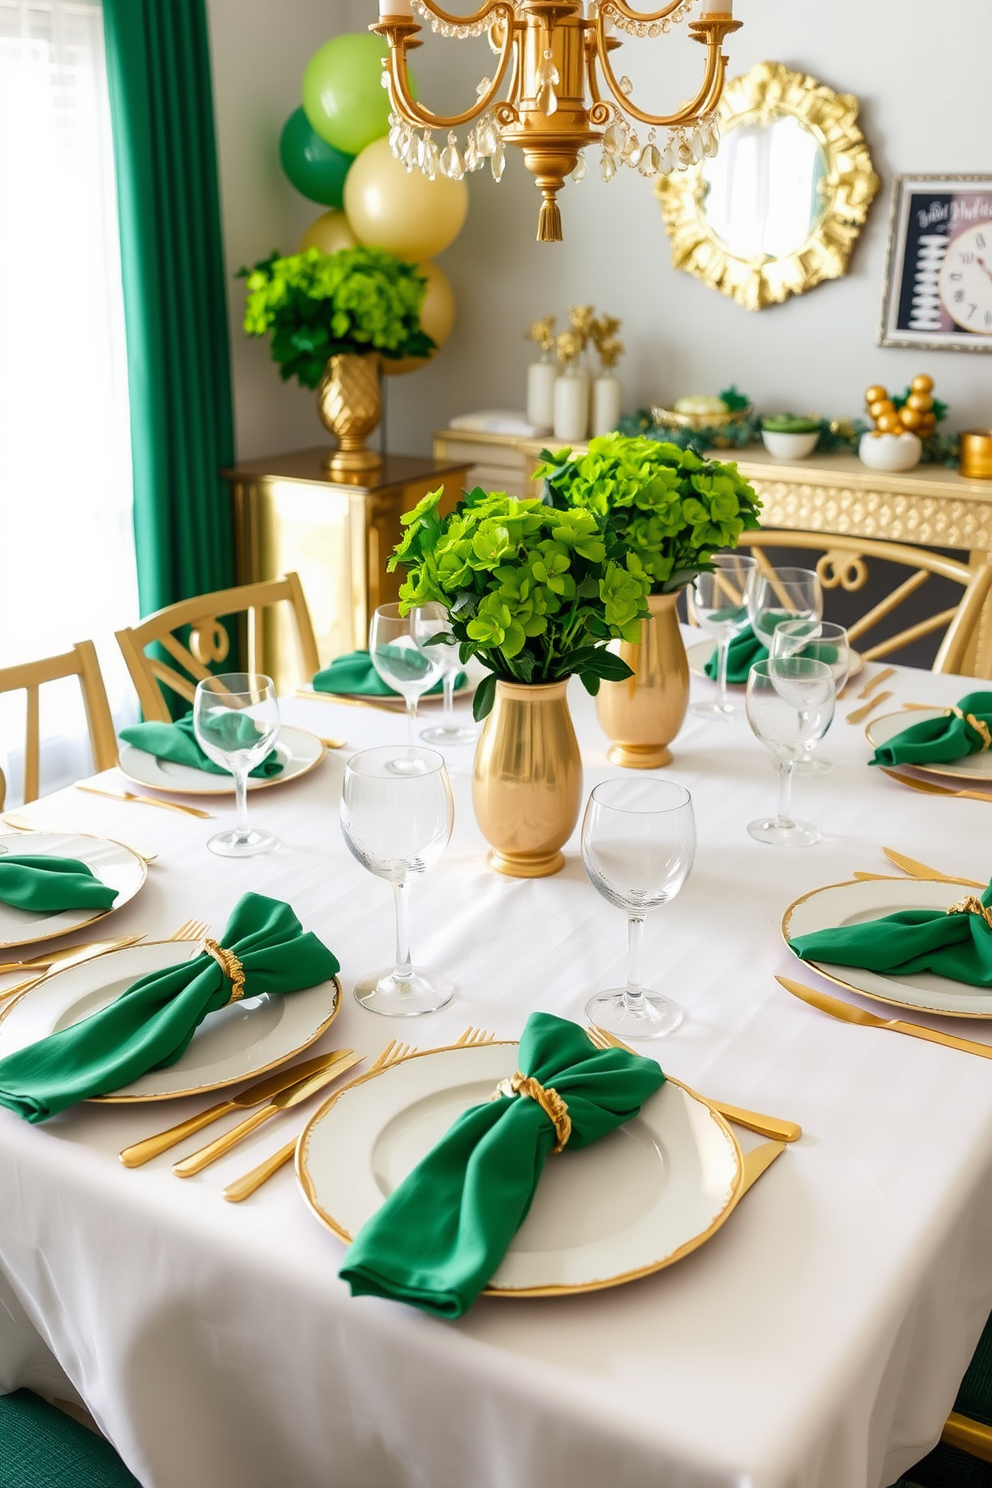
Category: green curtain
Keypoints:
(161, 104)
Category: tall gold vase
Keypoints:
(643, 714)
(527, 780)
(349, 401)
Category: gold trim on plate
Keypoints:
(945, 711)
(221, 790)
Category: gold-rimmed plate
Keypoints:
(632, 1203)
(870, 899)
(975, 767)
(110, 861)
(298, 750)
(700, 652)
(237, 1042)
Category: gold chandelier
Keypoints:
(554, 55)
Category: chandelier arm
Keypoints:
(712, 86)
(403, 101)
(620, 7)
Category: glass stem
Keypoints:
(785, 794)
(449, 699)
(241, 804)
(403, 970)
(411, 720)
(633, 995)
(722, 655)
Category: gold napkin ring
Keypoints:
(970, 905)
(978, 724)
(547, 1098)
(230, 966)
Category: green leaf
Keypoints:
(485, 696)
(590, 682)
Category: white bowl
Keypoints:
(789, 446)
(890, 451)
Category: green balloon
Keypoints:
(343, 97)
(315, 168)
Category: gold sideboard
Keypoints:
(290, 514)
(930, 506)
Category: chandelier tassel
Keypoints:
(549, 222)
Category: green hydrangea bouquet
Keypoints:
(318, 305)
(534, 592)
(671, 508)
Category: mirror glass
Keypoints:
(763, 193)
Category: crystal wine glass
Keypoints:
(779, 595)
(638, 846)
(790, 706)
(403, 666)
(718, 605)
(397, 823)
(236, 723)
(429, 621)
(821, 640)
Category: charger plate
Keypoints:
(700, 652)
(870, 899)
(298, 750)
(244, 1039)
(637, 1200)
(971, 767)
(112, 862)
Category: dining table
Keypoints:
(816, 1340)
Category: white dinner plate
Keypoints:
(112, 863)
(700, 652)
(640, 1198)
(870, 899)
(298, 750)
(243, 1039)
(971, 767)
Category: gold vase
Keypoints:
(349, 401)
(643, 714)
(527, 780)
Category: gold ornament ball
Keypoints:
(928, 424)
(911, 417)
(437, 317)
(881, 405)
(922, 384)
(329, 232)
(889, 423)
(875, 394)
(405, 213)
(922, 402)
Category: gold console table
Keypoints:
(291, 514)
(930, 506)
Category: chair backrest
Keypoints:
(843, 565)
(30, 676)
(209, 641)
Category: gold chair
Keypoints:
(843, 565)
(30, 676)
(209, 641)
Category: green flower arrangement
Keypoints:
(534, 592)
(318, 305)
(669, 507)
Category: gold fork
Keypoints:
(765, 1126)
(190, 930)
(244, 1187)
(473, 1036)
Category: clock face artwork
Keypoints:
(965, 284)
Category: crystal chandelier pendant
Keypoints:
(487, 136)
(632, 149)
(650, 161)
(497, 161)
(430, 160)
(607, 165)
(666, 161)
(471, 158)
(683, 152)
(547, 98)
(578, 173)
(452, 164)
(615, 137)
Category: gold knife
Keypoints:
(282, 1102)
(931, 788)
(123, 795)
(245, 1186)
(860, 714)
(916, 869)
(876, 681)
(848, 1013)
(264, 1090)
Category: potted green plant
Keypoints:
(331, 317)
(536, 594)
(671, 509)
(790, 436)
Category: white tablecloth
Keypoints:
(815, 1342)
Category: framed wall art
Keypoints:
(938, 265)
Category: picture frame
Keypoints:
(937, 292)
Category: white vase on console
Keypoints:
(541, 379)
(571, 420)
(607, 404)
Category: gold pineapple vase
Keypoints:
(643, 714)
(349, 400)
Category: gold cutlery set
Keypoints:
(51, 961)
(860, 714)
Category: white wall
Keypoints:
(921, 76)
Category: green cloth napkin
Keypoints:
(441, 1235)
(958, 946)
(177, 742)
(744, 650)
(939, 741)
(151, 1024)
(355, 673)
(49, 884)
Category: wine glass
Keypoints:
(821, 640)
(403, 666)
(236, 723)
(397, 823)
(779, 595)
(790, 706)
(431, 620)
(638, 846)
(718, 605)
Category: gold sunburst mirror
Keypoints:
(779, 208)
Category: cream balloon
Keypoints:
(328, 232)
(403, 212)
(437, 318)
